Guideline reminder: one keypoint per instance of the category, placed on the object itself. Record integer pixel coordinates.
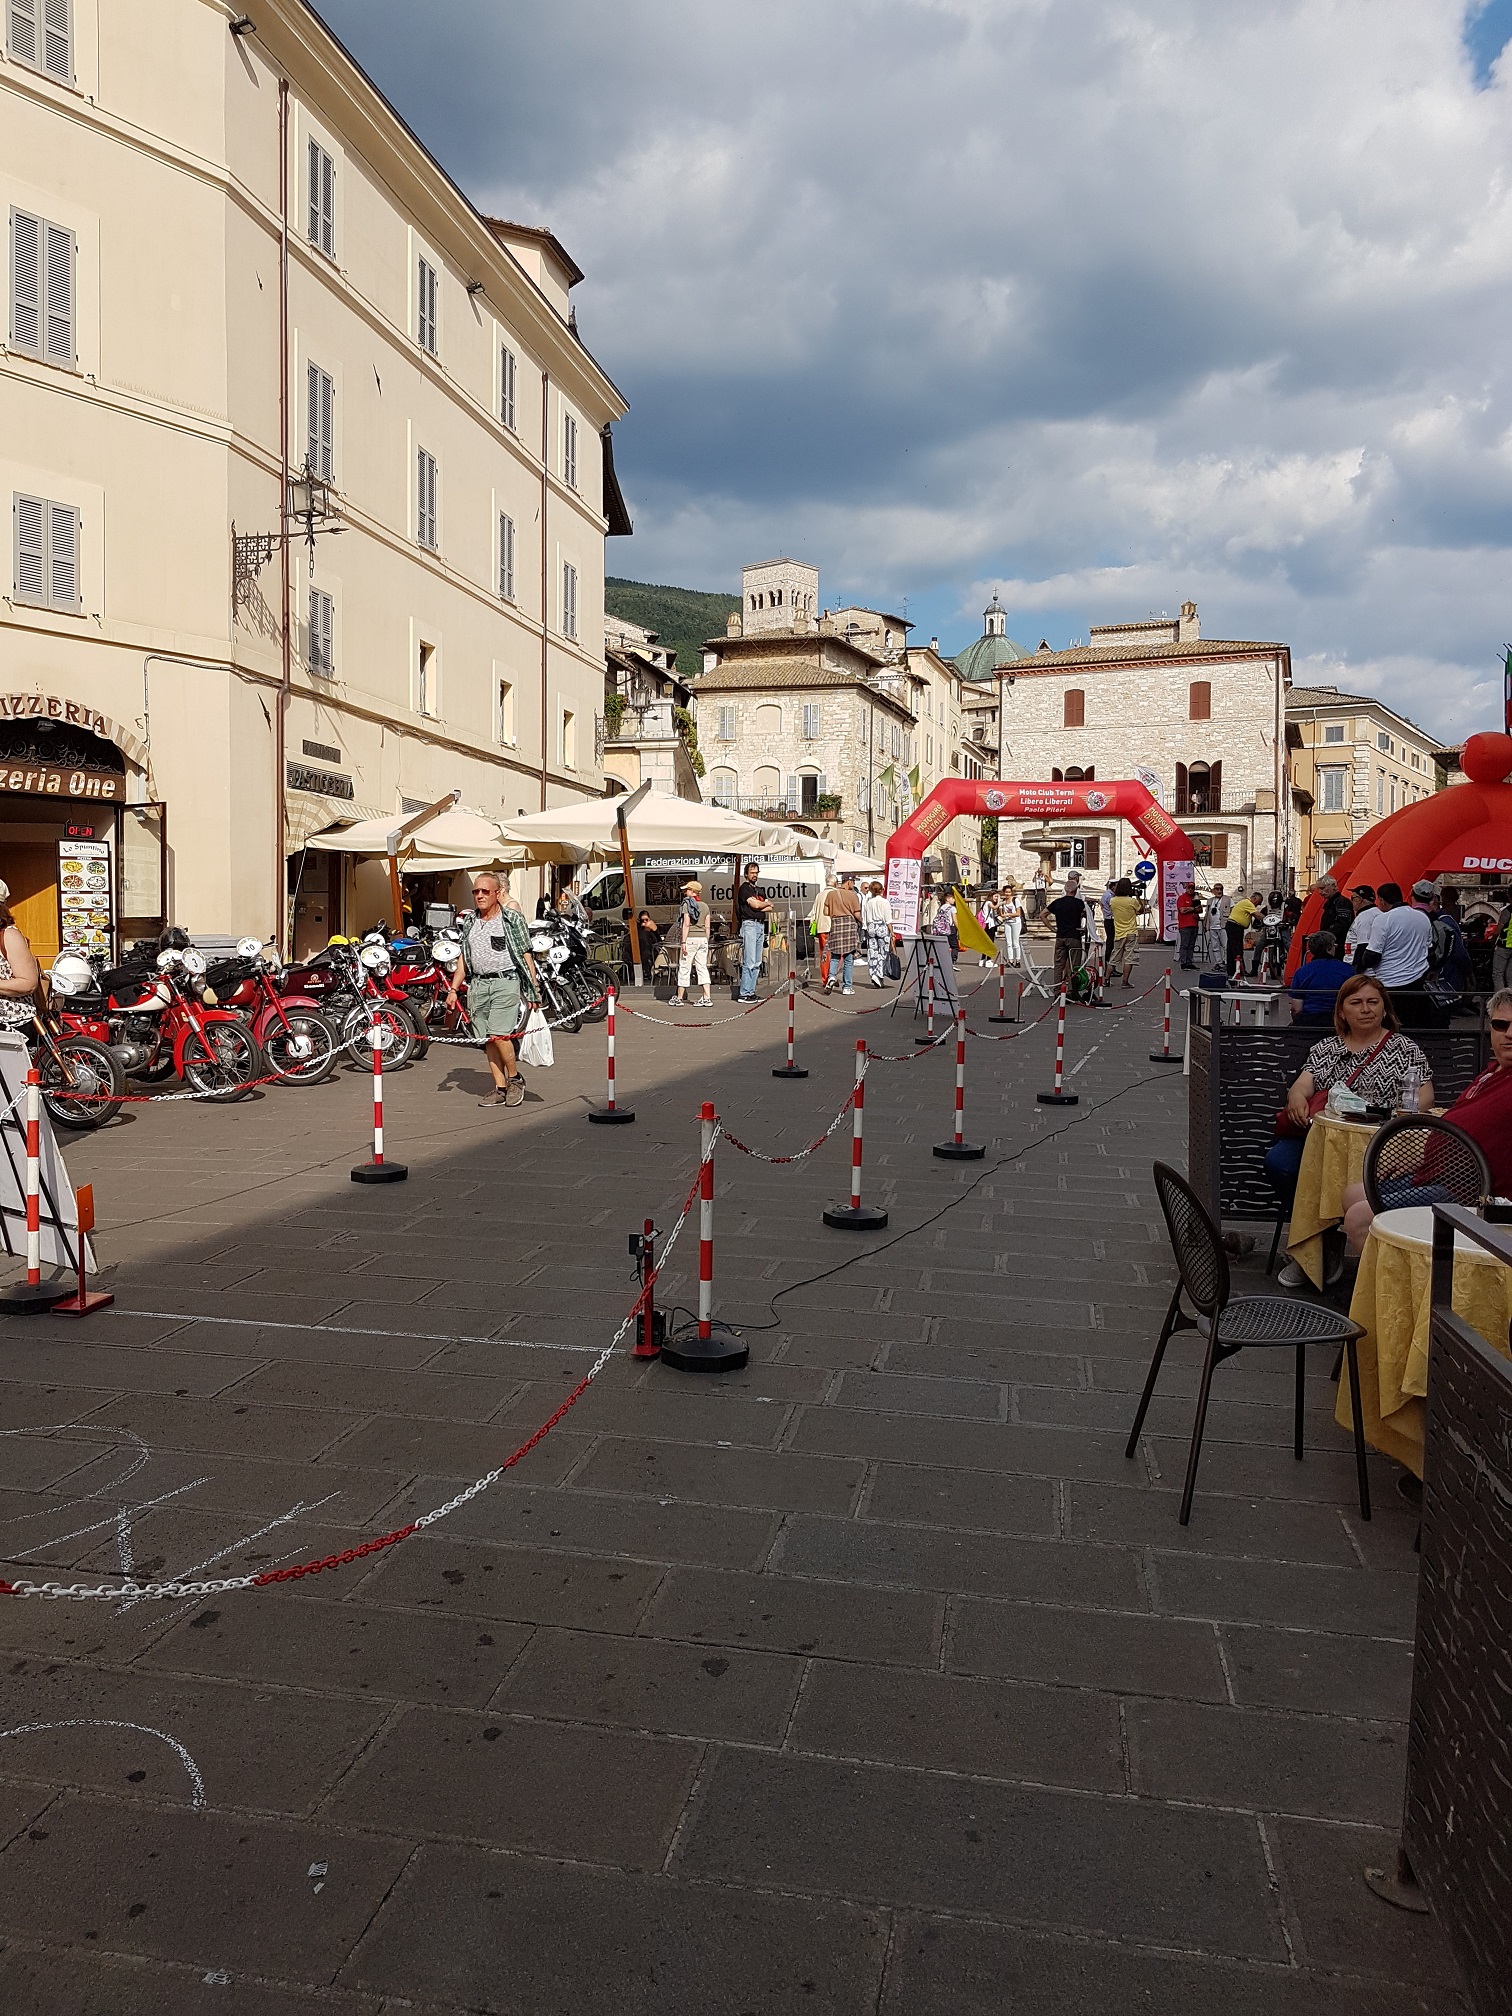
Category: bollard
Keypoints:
(790, 1069)
(611, 1115)
(929, 1028)
(706, 1346)
(378, 1171)
(643, 1248)
(1002, 1015)
(1059, 1097)
(1163, 1054)
(87, 1298)
(21, 1297)
(856, 1216)
(957, 1149)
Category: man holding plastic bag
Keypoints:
(501, 980)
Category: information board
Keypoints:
(86, 901)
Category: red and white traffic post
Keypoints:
(790, 1069)
(929, 1028)
(958, 1149)
(1002, 1015)
(611, 1115)
(379, 1171)
(1163, 1054)
(1060, 1097)
(33, 1293)
(706, 1346)
(856, 1216)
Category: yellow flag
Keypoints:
(973, 938)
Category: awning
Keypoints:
(659, 824)
(307, 813)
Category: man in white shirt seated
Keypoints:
(1401, 947)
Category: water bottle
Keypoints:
(1412, 1085)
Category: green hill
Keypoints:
(682, 617)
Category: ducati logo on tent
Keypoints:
(1489, 863)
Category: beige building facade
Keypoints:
(1354, 760)
(238, 286)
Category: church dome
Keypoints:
(981, 659)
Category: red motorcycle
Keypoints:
(160, 1028)
(355, 989)
(301, 1047)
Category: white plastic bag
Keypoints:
(535, 1045)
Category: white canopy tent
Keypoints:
(846, 863)
(450, 841)
(658, 824)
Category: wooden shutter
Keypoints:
(1093, 855)
(794, 795)
(26, 282)
(1181, 789)
(31, 549)
(62, 556)
(60, 295)
(821, 787)
(1215, 786)
(1220, 850)
(57, 38)
(1075, 710)
(23, 31)
(1200, 700)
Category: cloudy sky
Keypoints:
(1101, 303)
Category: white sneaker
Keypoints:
(1292, 1276)
(847, 990)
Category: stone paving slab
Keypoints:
(871, 1679)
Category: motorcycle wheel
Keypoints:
(399, 1036)
(594, 994)
(223, 1062)
(154, 1074)
(305, 1052)
(81, 1067)
(416, 1013)
(561, 1009)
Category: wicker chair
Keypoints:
(1228, 1326)
(1421, 1159)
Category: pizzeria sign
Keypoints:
(43, 781)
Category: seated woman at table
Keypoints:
(1483, 1111)
(1367, 1052)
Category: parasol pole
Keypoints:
(621, 807)
(401, 833)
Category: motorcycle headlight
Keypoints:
(446, 951)
(248, 948)
(194, 963)
(375, 958)
(166, 961)
(62, 984)
(539, 942)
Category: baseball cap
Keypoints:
(1425, 891)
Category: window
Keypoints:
(727, 724)
(1383, 741)
(507, 386)
(569, 600)
(322, 635)
(569, 739)
(1210, 850)
(1331, 790)
(47, 554)
(724, 783)
(1333, 731)
(1380, 792)
(569, 451)
(811, 720)
(322, 217)
(1393, 794)
(1071, 854)
(1074, 708)
(426, 696)
(319, 447)
(897, 740)
(425, 498)
(504, 717)
(810, 790)
(42, 289)
(929, 748)
(426, 294)
(41, 35)
(506, 556)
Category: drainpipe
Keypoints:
(545, 570)
(281, 701)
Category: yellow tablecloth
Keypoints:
(1391, 1303)
(1332, 1159)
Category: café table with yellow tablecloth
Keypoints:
(1390, 1302)
(1332, 1158)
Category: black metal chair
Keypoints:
(1228, 1326)
(1421, 1159)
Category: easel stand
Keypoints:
(87, 1299)
(21, 1177)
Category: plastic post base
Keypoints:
(958, 1151)
(1002, 1018)
(379, 1172)
(1058, 1098)
(29, 1298)
(611, 1116)
(856, 1217)
(1160, 1057)
(722, 1350)
(789, 1071)
(84, 1303)
(926, 1038)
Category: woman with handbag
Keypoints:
(1368, 1055)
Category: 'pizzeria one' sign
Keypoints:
(42, 782)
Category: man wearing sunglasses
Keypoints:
(501, 984)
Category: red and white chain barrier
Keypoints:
(799, 1154)
(33, 1178)
(611, 1114)
(958, 1148)
(1059, 1097)
(856, 1216)
(791, 1069)
(1163, 1054)
(379, 1171)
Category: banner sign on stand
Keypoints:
(60, 1232)
(1178, 875)
(905, 879)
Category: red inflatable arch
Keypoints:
(981, 797)
(1465, 830)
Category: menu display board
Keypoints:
(86, 901)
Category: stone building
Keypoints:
(778, 595)
(1201, 721)
(643, 697)
(1353, 760)
(244, 301)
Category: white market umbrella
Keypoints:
(855, 864)
(452, 840)
(658, 824)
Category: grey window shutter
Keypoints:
(313, 227)
(26, 281)
(794, 795)
(62, 556)
(506, 556)
(507, 388)
(57, 39)
(821, 788)
(312, 406)
(60, 295)
(31, 550)
(23, 30)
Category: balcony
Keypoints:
(1214, 804)
(826, 806)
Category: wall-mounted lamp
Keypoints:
(474, 288)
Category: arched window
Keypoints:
(723, 786)
(768, 787)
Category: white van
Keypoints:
(658, 880)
